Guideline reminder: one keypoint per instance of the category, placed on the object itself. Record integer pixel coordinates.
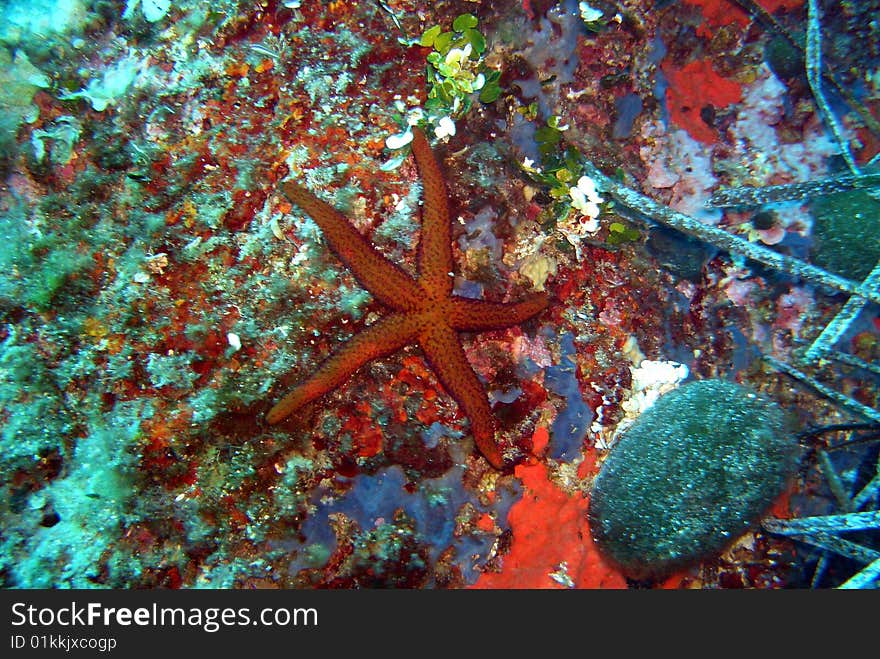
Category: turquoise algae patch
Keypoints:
(690, 475)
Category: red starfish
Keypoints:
(422, 310)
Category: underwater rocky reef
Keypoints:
(482, 246)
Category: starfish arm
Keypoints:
(383, 279)
(435, 244)
(477, 315)
(446, 357)
(384, 337)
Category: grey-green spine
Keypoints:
(691, 474)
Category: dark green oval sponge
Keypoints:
(691, 474)
(846, 233)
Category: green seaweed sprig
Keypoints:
(559, 167)
(455, 66)
(455, 74)
(562, 173)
